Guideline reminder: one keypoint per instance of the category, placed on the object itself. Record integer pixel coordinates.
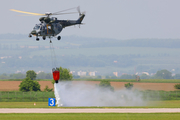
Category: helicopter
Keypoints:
(51, 26)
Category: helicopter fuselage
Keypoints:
(44, 29)
(51, 27)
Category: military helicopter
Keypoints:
(51, 26)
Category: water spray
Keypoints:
(69, 94)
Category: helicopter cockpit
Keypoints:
(36, 27)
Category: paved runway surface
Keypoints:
(91, 110)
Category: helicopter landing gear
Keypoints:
(37, 39)
(59, 37)
(30, 35)
(44, 38)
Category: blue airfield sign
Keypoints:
(51, 102)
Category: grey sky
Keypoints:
(120, 19)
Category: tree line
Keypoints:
(161, 74)
(41, 75)
(30, 84)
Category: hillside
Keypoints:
(20, 53)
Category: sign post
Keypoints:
(51, 102)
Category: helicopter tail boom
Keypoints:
(80, 19)
(66, 23)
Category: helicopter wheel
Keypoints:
(30, 35)
(37, 39)
(44, 38)
(59, 37)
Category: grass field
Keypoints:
(17, 96)
(91, 116)
(150, 104)
(24, 105)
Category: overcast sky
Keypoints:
(119, 19)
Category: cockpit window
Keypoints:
(36, 27)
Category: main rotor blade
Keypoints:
(78, 9)
(64, 10)
(64, 13)
(27, 12)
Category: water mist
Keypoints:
(68, 94)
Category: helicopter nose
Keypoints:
(33, 32)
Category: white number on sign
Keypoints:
(52, 102)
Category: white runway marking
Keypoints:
(95, 110)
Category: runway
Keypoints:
(90, 110)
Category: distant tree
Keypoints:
(4, 76)
(105, 84)
(126, 76)
(47, 89)
(99, 77)
(128, 86)
(177, 86)
(134, 76)
(29, 85)
(107, 77)
(65, 74)
(48, 76)
(31, 74)
(76, 76)
(114, 77)
(17, 76)
(163, 74)
(144, 76)
(41, 75)
(177, 76)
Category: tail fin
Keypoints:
(80, 18)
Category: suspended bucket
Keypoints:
(56, 75)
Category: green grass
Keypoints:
(41, 96)
(90, 116)
(17, 96)
(163, 104)
(150, 104)
(24, 105)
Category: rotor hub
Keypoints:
(48, 13)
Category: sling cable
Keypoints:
(55, 69)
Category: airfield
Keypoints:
(161, 109)
(90, 110)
